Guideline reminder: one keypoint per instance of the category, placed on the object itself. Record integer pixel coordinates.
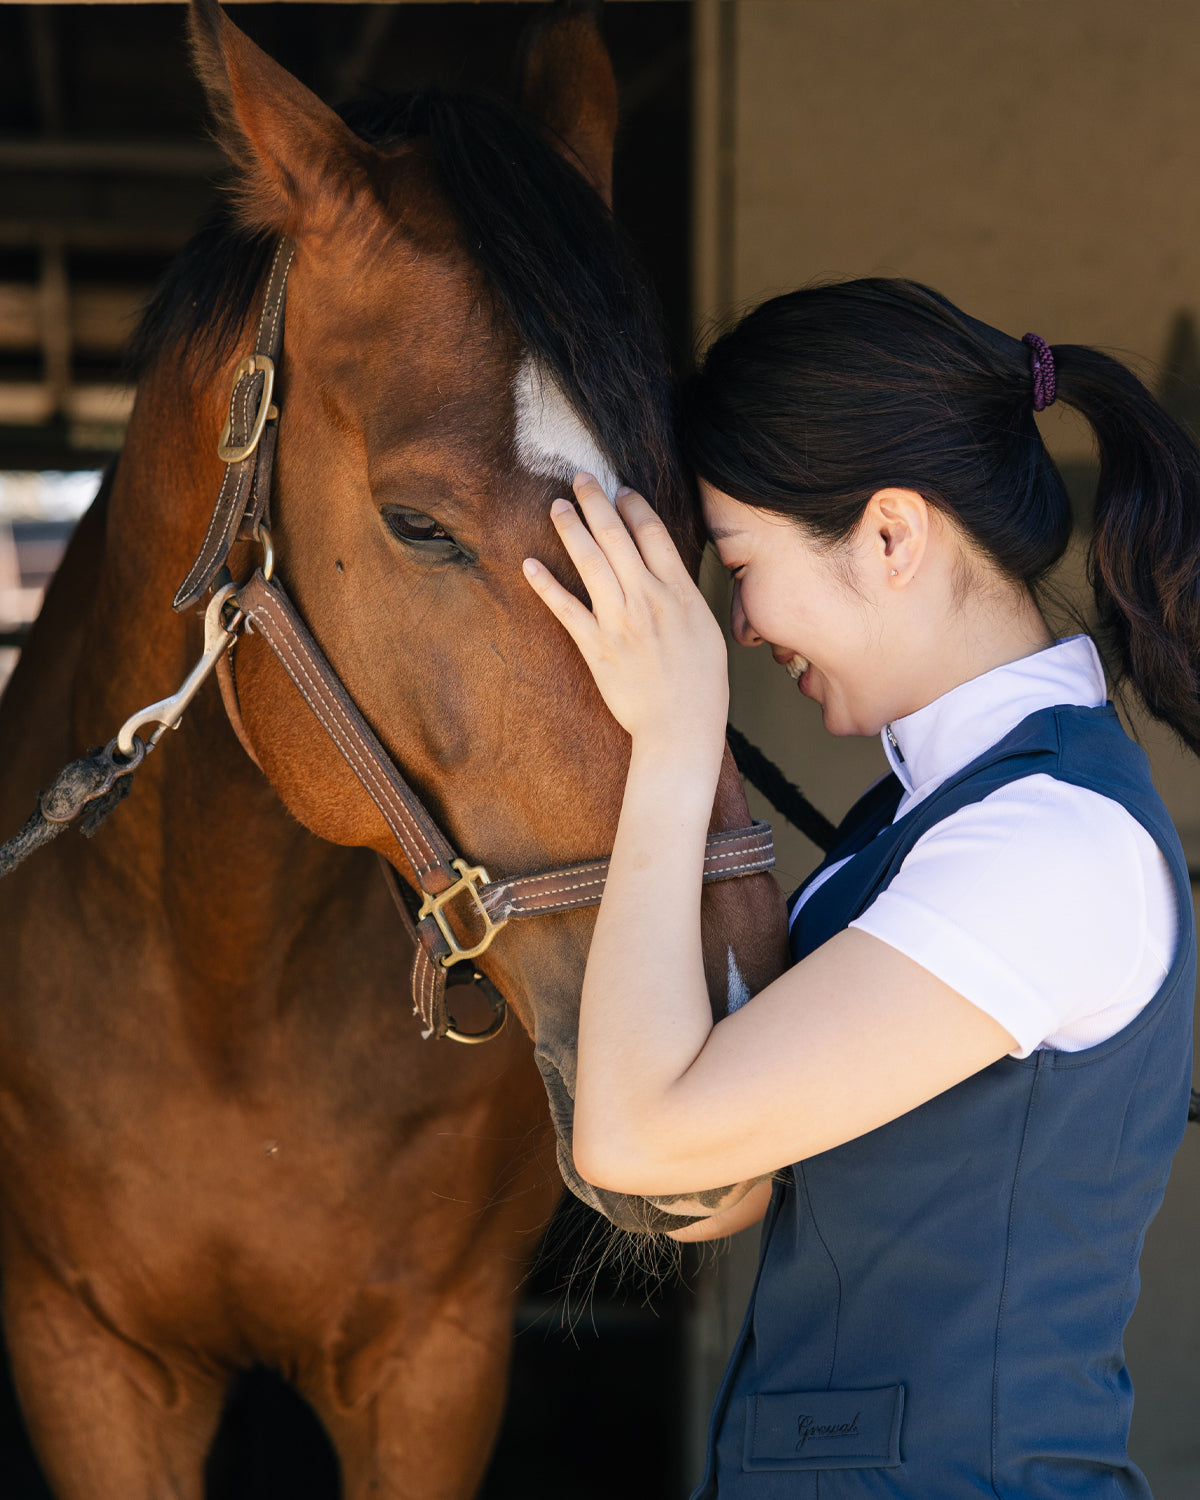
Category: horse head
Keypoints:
(465, 330)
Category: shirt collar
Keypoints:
(926, 747)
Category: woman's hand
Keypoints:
(649, 639)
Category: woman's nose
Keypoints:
(743, 632)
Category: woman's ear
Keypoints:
(896, 527)
(567, 82)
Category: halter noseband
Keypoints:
(443, 879)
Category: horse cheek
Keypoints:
(309, 775)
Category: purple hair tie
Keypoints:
(1045, 383)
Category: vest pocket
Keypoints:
(824, 1429)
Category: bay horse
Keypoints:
(223, 1139)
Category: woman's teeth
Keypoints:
(797, 667)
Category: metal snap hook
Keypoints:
(167, 712)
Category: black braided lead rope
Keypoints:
(95, 783)
(786, 798)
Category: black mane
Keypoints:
(559, 268)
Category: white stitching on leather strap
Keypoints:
(521, 883)
(424, 1002)
(393, 811)
(360, 762)
(578, 885)
(278, 301)
(521, 896)
(203, 560)
(751, 865)
(516, 907)
(515, 901)
(429, 993)
(200, 566)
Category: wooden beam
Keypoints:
(83, 233)
(61, 448)
(55, 319)
(84, 208)
(18, 317)
(101, 317)
(32, 403)
(168, 158)
(43, 47)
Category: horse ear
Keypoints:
(567, 82)
(297, 163)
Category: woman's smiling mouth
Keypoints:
(796, 664)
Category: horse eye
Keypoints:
(413, 526)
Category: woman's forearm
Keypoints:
(645, 1012)
(658, 658)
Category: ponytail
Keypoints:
(1144, 558)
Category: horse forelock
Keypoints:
(558, 269)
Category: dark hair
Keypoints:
(821, 397)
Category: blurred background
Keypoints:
(1033, 161)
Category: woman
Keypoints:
(957, 1110)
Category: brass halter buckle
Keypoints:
(253, 364)
(470, 878)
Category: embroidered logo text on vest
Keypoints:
(808, 1428)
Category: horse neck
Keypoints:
(203, 829)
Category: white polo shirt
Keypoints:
(1046, 905)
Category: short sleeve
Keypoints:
(1046, 905)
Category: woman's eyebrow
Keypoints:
(719, 533)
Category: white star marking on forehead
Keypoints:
(550, 438)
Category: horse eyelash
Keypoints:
(397, 522)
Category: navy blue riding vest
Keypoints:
(940, 1304)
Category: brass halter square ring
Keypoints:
(471, 877)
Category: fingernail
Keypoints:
(529, 567)
(561, 507)
(623, 489)
(583, 477)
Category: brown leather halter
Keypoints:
(439, 875)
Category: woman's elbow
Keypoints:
(614, 1160)
(600, 1165)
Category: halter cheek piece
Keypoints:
(446, 883)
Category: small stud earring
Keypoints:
(895, 571)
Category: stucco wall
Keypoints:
(1037, 162)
